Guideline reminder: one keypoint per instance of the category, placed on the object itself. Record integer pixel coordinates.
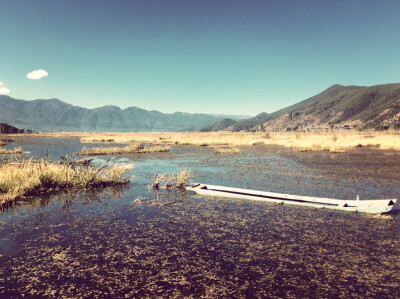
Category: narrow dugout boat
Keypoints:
(376, 206)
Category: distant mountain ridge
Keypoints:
(225, 124)
(336, 107)
(56, 115)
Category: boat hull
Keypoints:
(377, 206)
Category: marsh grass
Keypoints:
(26, 178)
(299, 141)
(229, 150)
(133, 147)
(15, 151)
(176, 180)
(6, 140)
(159, 178)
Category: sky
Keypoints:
(200, 56)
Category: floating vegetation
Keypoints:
(27, 177)
(133, 147)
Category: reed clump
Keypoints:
(229, 150)
(14, 151)
(177, 180)
(19, 179)
(302, 141)
(133, 147)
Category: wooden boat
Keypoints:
(376, 206)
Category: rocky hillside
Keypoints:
(56, 115)
(225, 124)
(338, 107)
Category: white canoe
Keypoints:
(376, 206)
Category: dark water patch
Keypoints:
(203, 247)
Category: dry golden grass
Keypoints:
(134, 147)
(228, 150)
(177, 180)
(301, 141)
(14, 151)
(25, 178)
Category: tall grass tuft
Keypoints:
(177, 181)
(230, 150)
(182, 178)
(133, 147)
(15, 151)
(159, 178)
(27, 177)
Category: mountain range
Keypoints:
(338, 107)
(56, 115)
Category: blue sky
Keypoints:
(231, 57)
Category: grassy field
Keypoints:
(133, 147)
(25, 178)
(300, 141)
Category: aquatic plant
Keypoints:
(230, 150)
(131, 148)
(15, 151)
(182, 178)
(27, 177)
(158, 179)
(177, 180)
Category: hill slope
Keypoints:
(219, 126)
(337, 106)
(56, 115)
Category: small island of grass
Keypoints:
(24, 178)
(15, 151)
(134, 147)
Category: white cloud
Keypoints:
(38, 74)
(3, 89)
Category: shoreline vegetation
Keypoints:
(133, 147)
(298, 141)
(15, 151)
(335, 142)
(168, 181)
(20, 179)
(228, 150)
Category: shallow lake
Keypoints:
(174, 244)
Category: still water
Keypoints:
(103, 243)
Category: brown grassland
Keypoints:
(299, 141)
(133, 147)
